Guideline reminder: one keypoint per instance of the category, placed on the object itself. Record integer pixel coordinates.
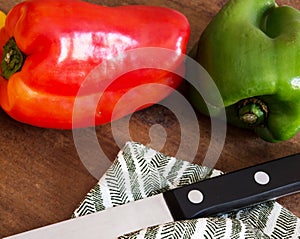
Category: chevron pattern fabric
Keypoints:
(140, 172)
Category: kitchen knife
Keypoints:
(210, 197)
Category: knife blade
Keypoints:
(221, 194)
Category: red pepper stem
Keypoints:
(12, 59)
(253, 112)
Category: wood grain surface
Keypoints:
(43, 177)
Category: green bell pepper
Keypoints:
(251, 49)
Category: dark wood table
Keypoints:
(42, 177)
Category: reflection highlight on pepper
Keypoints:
(93, 46)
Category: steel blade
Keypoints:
(107, 224)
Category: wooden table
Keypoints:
(42, 178)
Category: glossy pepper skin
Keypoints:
(2, 18)
(251, 49)
(62, 41)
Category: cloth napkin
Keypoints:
(139, 172)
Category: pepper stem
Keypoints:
(12, 59)
(253, 112)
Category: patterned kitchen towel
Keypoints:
(140, 172)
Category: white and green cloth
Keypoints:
(140, 172)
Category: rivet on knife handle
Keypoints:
(236, 190)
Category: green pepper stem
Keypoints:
(12, 59)
(253, 112)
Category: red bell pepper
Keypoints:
(51, 46)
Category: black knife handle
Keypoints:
(236, 190)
